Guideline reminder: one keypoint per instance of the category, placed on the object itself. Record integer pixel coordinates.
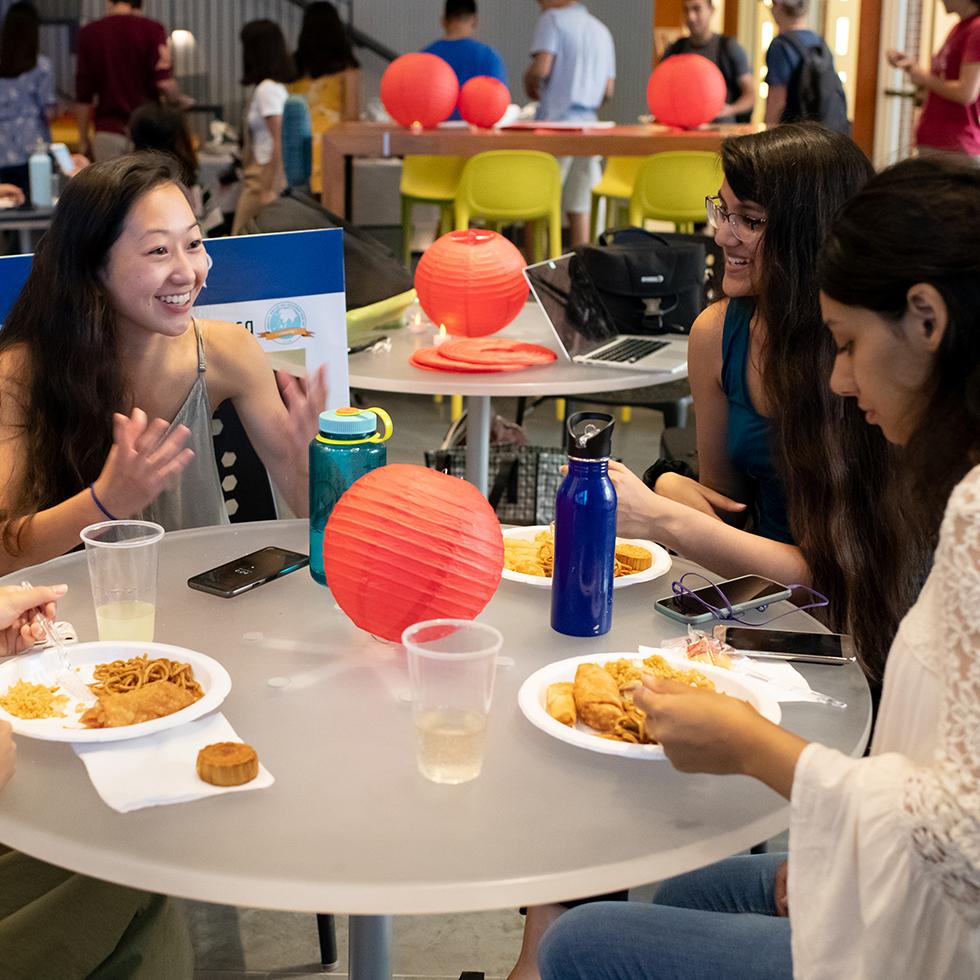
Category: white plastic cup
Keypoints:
(122, 567)
(452, 664)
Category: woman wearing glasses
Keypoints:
(772, 440)
(884, 861)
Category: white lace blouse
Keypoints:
(884, 876)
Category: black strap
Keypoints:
(506, 479)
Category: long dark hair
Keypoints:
(155, 126)
(917, 223)
(833, 466)
(62, 328)
(264, 54)
(323, 47)
(19, 40)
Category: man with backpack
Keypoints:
(803, 82)
(725, 52)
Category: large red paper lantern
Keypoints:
(686, 90)
(471, 282)
(483, 100)
(419, 90)
(406, 543)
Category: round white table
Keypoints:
(350, 825)
(390, 370)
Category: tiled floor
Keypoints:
(234, 943)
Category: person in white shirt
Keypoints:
(572, 72)
(268, 65)
(883, 876)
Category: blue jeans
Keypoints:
(718, 922)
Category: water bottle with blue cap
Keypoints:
(585, 530)
(350, 443)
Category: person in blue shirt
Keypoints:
(572, 72)
(467, 56)
(782, 58)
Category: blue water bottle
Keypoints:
(39, 176)
(585, 530)
(348, 445)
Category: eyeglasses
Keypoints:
(746, 230)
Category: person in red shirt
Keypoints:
(122, 63)
(950, 119)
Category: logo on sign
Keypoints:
(285, 323)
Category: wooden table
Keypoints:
(366, 139)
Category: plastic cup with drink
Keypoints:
(452, 665)
(122, 566)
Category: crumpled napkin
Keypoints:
(158, 769)
(783, 681)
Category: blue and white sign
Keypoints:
(287, 289)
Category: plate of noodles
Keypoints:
(141, 688)
(529, 554)
(560, 697)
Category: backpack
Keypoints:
(815, 91)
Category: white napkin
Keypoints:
(783, 681)
(162, 768)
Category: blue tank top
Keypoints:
(747, 441)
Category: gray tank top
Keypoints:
(196, 500)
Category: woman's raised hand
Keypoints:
(693, 494)
(144, 459)
(304, 401)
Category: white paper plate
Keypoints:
(533, 693)
(661, 561)
(37, 669)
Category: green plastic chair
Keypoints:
(672, 186)
(428, 180)
(616, 187)
(504, 186)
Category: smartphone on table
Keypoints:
(744, 593)
(238, 576)
(811, 648)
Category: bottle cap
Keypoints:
(588, 435)
(348, 422)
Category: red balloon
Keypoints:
(686, 90)
(419, 90)
(471, 282)
(406, 543)
(483, 100)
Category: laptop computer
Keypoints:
(606, 347)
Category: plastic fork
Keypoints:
(67, 677)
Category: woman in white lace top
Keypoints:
(884, 862)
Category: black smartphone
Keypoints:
(813, 648)
(747, 592)
(242, 574)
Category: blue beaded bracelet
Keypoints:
(98, 503)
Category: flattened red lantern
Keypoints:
(686, 90)
(406, 543)
(483, 100)
(471, 282)
(419, 90)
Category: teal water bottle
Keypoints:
(349, 444)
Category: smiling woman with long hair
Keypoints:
(101, 340)
(772, 440)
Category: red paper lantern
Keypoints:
(471, 282)
(483, 100)
(419, 90)
(686, 90)
(406, 543)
